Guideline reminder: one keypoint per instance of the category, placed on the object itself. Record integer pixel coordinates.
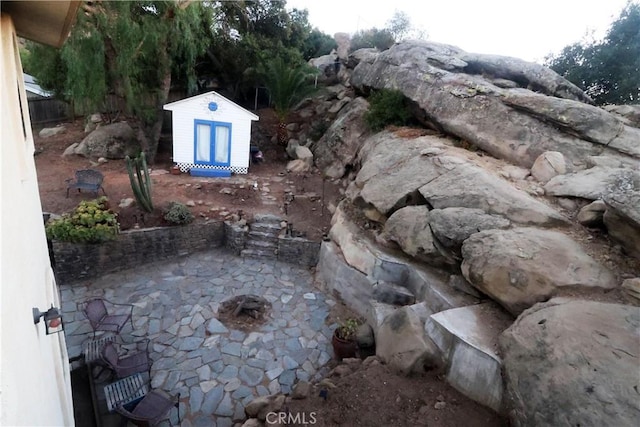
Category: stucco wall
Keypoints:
(35, 384)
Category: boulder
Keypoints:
(632, 287)
(337, 148)
(522, 266)
(409, 228)
(291, 148)
(630, 113)
(261, 406)
(457, 94)
(592, 214)
(47, 132)
(298, 166)
(548, 165)
(573, 362)
(470, 186)
(113, 141)
(452, 226)
(590, 184)
(402, 344)
(304, 154)
(343, 40)
(70, 150)
(622, 217)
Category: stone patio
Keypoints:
(216, 370)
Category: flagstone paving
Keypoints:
(216, 369)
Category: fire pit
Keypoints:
(244, 312)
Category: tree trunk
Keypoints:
(152, 131)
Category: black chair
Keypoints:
(154, 407)
(103, 317)
(122, 363)
(86, 179)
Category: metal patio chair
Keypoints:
(86, 179)
(154, 407)
(123, 363)
(103, 317)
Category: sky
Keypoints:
(524, 29)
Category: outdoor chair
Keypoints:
(86, 179)
(154, 407)
(103, 317)
(123, 363)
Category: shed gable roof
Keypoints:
(202, 98)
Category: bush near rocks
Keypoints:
(178, 214)
(387, 107)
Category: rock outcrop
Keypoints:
(501, 202)
(573, 362)
(465, 95)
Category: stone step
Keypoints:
(262, 245)
(262, 236)
(468, 339)
(256, 253)
(264, 227)
(267, 219)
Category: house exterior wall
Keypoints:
(35, 383)
(185, 112)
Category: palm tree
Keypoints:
(287, 85)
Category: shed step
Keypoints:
(210, 172)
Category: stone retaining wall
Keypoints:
(75, 261)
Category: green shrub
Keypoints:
(90, 222)
(178, 214)
(387, 107)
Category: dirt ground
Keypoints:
(368, 394)
(212, 198)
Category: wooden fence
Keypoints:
(48, 110)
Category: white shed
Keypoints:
(211, 135)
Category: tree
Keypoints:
(609, 70)
(287, 84)
(372, 38)
(131, 51)
(252, 32)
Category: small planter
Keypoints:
(175, 170)
(343, 349)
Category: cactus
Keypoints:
(141, 183)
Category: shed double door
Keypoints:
(212, 143)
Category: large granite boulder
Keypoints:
(452, 226)
(520, 267)
(113, 141)
(573, 363)
(470, 186)
(401, 342)
(398, 172)
(513, 109)
(622, 216)
(337, 148)
(409, 228)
